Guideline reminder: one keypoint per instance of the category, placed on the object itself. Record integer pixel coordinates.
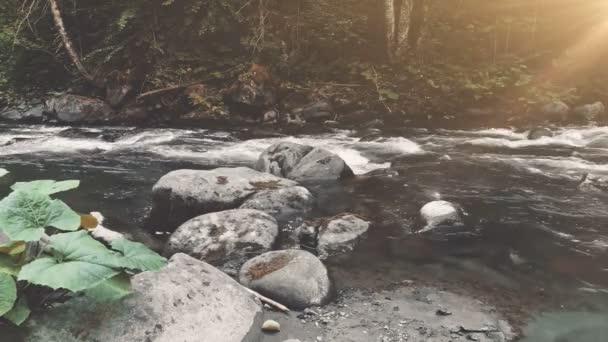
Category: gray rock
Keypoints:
(320, 164)
(539, 132)
(70, 108)
(225, 239)
(593, 183)
(285, 204)
(186, 301)
(302, 163)
(334, 236)
(183, 194)
(440, 213)
(280, 158)
(555, 111)
(29, 114)
(591, 112)
(341, 234)
(292, 277)
(319, 111)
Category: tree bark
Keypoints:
(396, 26)
(67, 42)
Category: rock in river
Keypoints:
(284, 204)
(302, 163)
(183, 194)
(225, 239)
(333, 236)
(539, 132)
(292, 277)
(187, 301)
(440, 213)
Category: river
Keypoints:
(534, 241)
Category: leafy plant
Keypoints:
(41, 247)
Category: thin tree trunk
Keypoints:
(67, 42)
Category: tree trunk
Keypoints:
(67, 42)
(396, 26)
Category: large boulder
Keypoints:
(333, 236)
(285, 204)
(292, 277)
(590, 112)
(225, 239)
(186, 301)
(555, 111)
(24, 113)
(302, 163)
(184, 194)
(70, 108)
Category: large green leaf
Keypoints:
(8, 293)
(24, 215)
(47, 187)
(137, 256)
(112, 289)
(19, 313)
(71, 275)
(79, 262)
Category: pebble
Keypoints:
(271, 326)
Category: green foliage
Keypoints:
(8, 293)
(24, 215)
(73, 261)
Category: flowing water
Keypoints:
(534, 241)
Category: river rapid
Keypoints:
(536, 245)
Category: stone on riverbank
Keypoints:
(292, 277)
(184, 194)
(302, 163)
(69, 108)
(185, 301)
(555, 111)
(225, 239)
(590, 112)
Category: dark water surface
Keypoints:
(534, 242)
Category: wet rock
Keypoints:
(316, 112)
(285, 204)
(333, 236)
(593, 183)
(183, 194)
(182, 302)
(590, 112)
(31, 114)
(539, 132)
(271, 326)
(225, 239)
(70, 108)
(555, 111)
(292, 277)
(440, 213)
(302, 163)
